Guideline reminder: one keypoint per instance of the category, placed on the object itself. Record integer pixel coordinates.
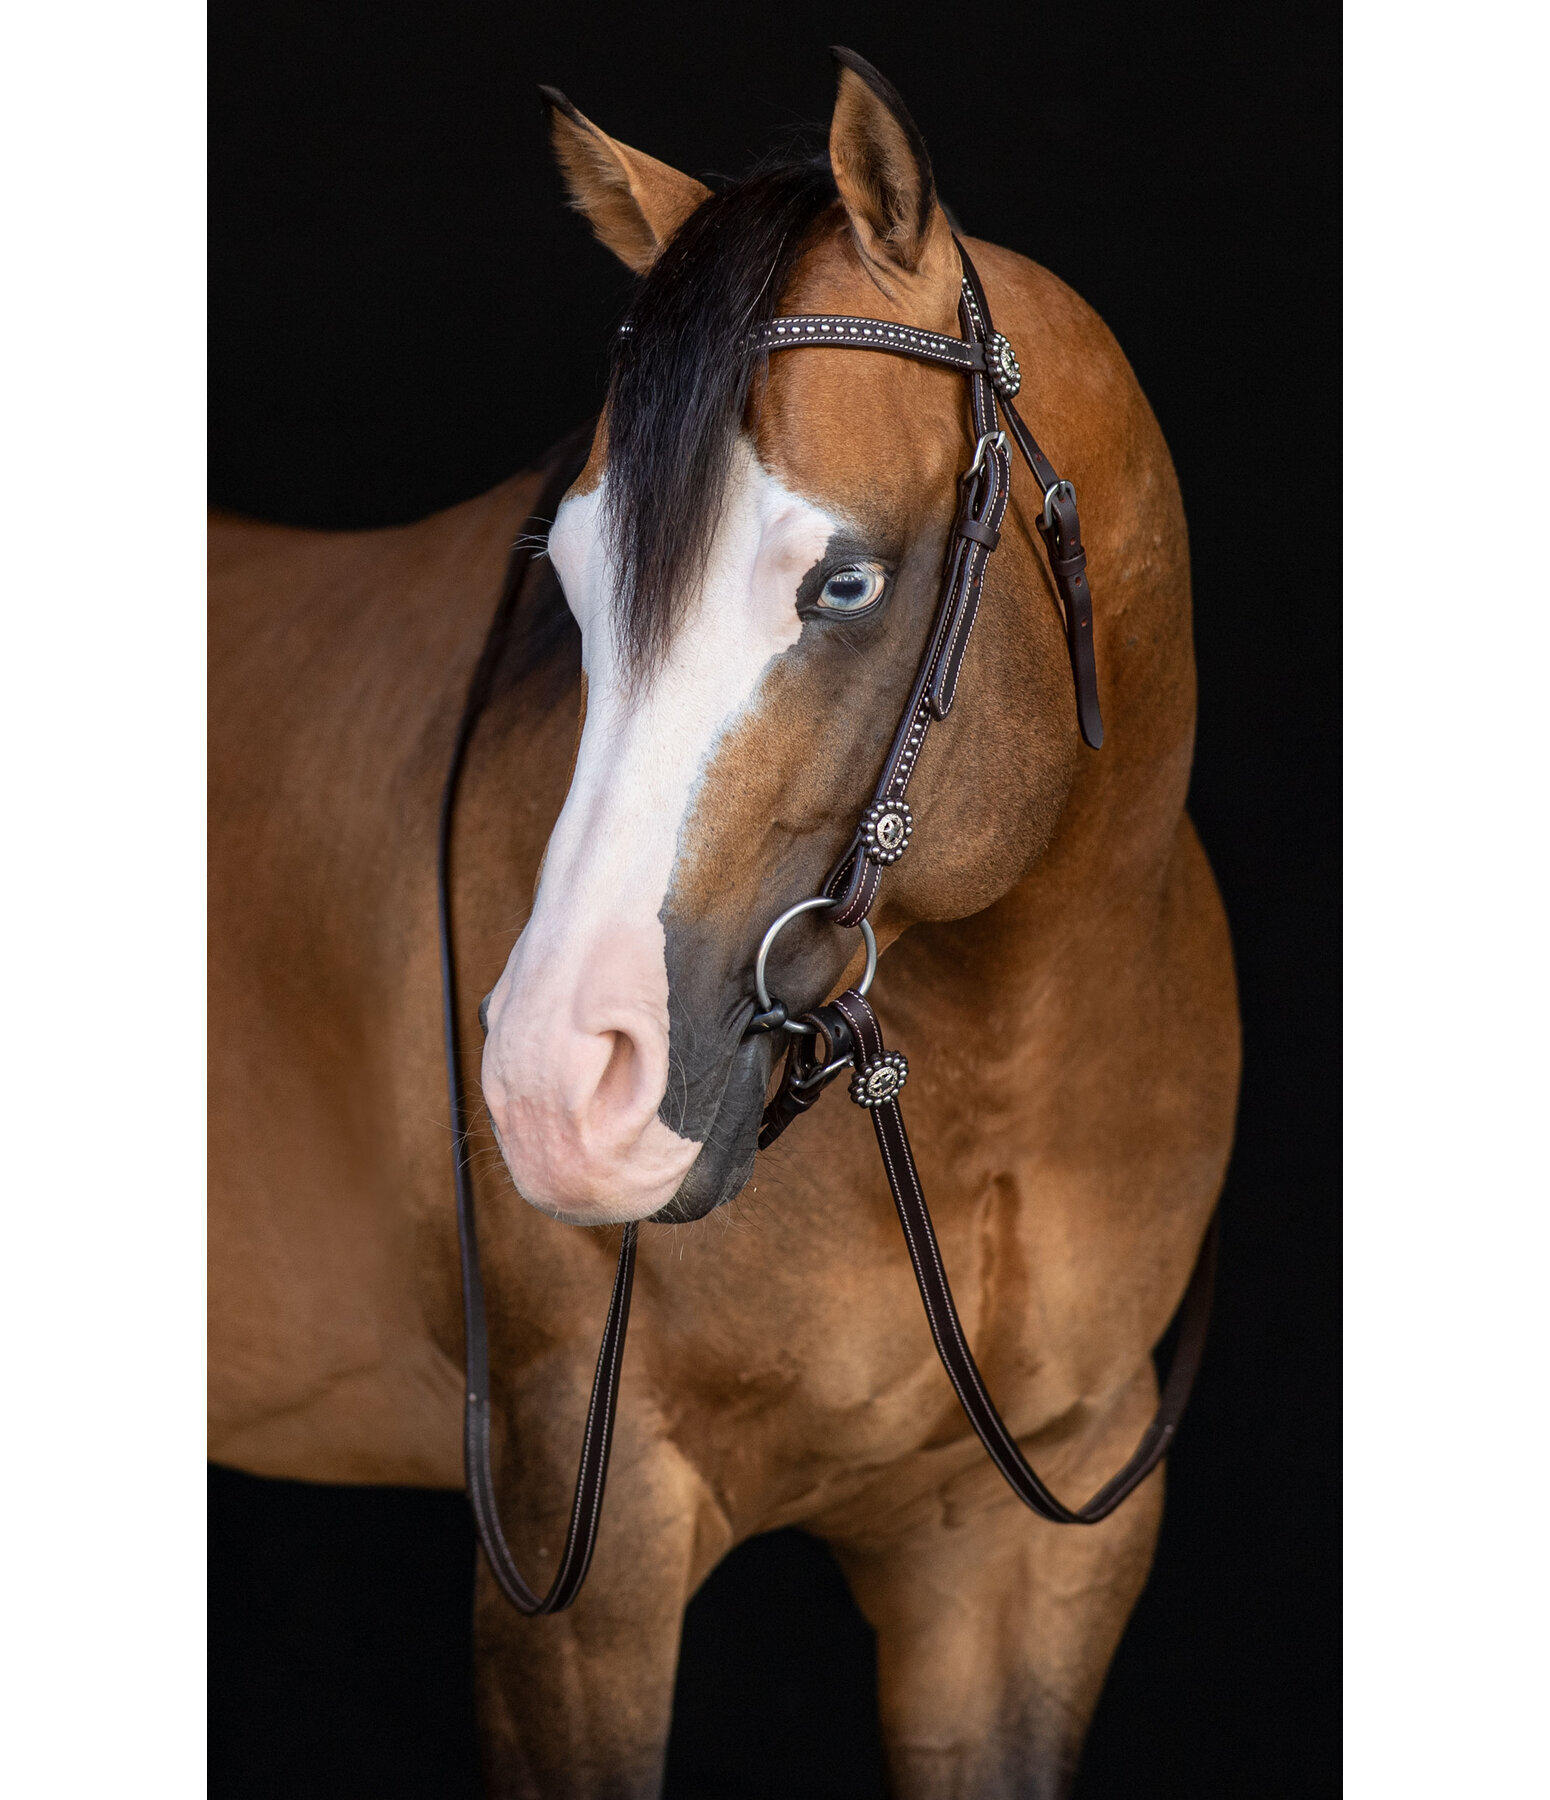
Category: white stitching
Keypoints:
(852, 333)
(992, 1432)
(577, 1548)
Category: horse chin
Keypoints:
(721, 1169)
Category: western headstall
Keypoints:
(847, 1028)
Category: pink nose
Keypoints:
(575, 1067)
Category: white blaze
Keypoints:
(576, 1061)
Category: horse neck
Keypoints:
(1119, 827)
(1041, 962)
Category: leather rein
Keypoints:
(847, 1028)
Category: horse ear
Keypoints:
(884, 176)
(633, 202)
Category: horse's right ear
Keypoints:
(884, 177)
(633, 202)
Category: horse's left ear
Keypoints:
(633, 202)
(884, 177)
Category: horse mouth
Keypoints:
(725, 1162)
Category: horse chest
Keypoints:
(826, 1363)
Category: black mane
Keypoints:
(682, 370)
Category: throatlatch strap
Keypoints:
(586, 1510)
(1060, 529)
(942, 1315)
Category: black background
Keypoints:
(402, 313)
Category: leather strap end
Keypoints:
(1068, 566)
(777, 1116)
(1075, 592)
(943, 690)
(1085, 669)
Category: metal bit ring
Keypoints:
(792, 912)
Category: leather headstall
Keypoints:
(885, 828)
(986, 357)
(848, 1028)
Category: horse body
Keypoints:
(1061, 977)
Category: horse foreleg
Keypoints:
(577, 1706)
(995, 1629)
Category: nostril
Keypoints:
(484, 1012)
(578, 1049)
(575, 1067)
(616, 1090)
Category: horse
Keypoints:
(705, 664)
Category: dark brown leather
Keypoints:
(795, 330)
(566, 463)
(792, 1097)
(1063, 544)
(811, 1064)
(953, 1347)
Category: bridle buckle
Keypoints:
(991, 440)
(1061, 490)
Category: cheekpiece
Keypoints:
(886, 829)
(1001, 361)
(876, 1083)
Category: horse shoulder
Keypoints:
(337, 668)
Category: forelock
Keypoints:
(683, 368)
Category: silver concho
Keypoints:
(876, 1083)
(886, 829)
(1005, 375)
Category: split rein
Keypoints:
(847, 1028)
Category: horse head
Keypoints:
(753, 555)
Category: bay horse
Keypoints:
(699, 685)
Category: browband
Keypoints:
(796, 329)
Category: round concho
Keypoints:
(876, 1083)
(1005, 375)
(886, 829)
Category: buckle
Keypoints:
(1062, 490)
(991, 440)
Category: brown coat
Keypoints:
(1059, 971)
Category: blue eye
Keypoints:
(852, 589)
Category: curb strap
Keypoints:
(806, 1073)
(586, 1510)
(986, 357)
(879, 1075)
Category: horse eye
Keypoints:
(852, 589)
